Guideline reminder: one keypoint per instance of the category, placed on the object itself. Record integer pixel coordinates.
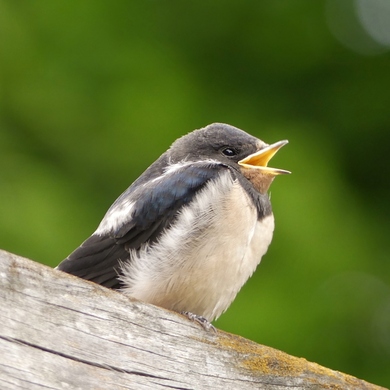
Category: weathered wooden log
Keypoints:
(61, 332)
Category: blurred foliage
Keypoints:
(92, 92)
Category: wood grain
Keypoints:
(61, 332)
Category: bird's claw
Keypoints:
(206, 325)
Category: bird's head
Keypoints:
(232, 147)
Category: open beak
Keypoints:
(260, 159)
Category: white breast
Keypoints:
(203, 260)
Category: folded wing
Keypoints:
(137, 217)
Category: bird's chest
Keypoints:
(232, 243)
(201, 262)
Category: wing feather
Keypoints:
(156, 203)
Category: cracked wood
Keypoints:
(61, 332)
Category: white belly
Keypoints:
(201, 263)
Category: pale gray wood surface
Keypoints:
(61, 332)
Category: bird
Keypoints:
(190, 231)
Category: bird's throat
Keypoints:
(260, 180)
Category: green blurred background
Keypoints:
(92, 92)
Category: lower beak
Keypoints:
(260, 159)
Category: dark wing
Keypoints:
(155, 204)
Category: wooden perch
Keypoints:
(61, 332)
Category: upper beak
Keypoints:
(260, 159)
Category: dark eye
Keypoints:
(229, 152)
